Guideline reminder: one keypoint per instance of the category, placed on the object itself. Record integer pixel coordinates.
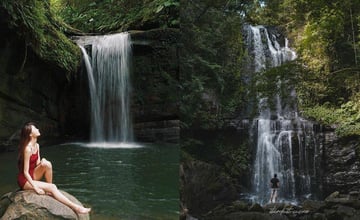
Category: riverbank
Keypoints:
(335, 206)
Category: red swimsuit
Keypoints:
(32, 164)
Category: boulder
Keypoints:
(333, 195)
(204, 186)
(256, 208)
(313, 205)
(354, 195)
(240, 205)
(27, 204)
(319, 216)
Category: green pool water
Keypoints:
(116, 181)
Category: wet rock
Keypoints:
(240, 205)
(256, 208)
(345, 211)
(32, 84)
(204, 187)
(336, 199)
(331, 214)
(332, 196)
(336, 207)
(248, 216)
(274, 206)
(29, 205)
(319, 216)
(158, 131)
(354, 195)
(154, 78)
(313, 205)
(341, 164)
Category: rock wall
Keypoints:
(341, 163)
(155, 83)
(30, 89)
(203, 187)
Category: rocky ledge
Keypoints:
(336, 206)
(29, 205)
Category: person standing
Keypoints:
(32, 169)
(274, 184)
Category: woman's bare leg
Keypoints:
(44, 169)
(51, 188)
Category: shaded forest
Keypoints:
(326, 73)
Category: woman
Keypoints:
(32, 169)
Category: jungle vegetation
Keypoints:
(325, 35)
(46, 25)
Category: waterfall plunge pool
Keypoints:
(128, 182)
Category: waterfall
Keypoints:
(280, 135)
(109, 84)
(269, 54)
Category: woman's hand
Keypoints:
(39, 190)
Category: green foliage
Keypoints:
(35, 23)
(118, 15)
(347, 117)
(236, 158)
(326, 74)
(220, 149)
(326, 36)
(211, 58)
(318, 45)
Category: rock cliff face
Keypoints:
(204, 186)
(30, 88)
(29, 205)
(155, 82)
(341, 164)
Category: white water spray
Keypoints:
(110, 88)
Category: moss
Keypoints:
(346, 118)
(33, 21)
(118, 15)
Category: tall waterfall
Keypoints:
(284, 141)
(109, 83)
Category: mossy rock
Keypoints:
(34, 22)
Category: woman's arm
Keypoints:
(38, 152)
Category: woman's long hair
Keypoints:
(24, 141)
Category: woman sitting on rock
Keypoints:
(32, 169)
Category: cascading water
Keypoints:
(282, 138)
(109, 84)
